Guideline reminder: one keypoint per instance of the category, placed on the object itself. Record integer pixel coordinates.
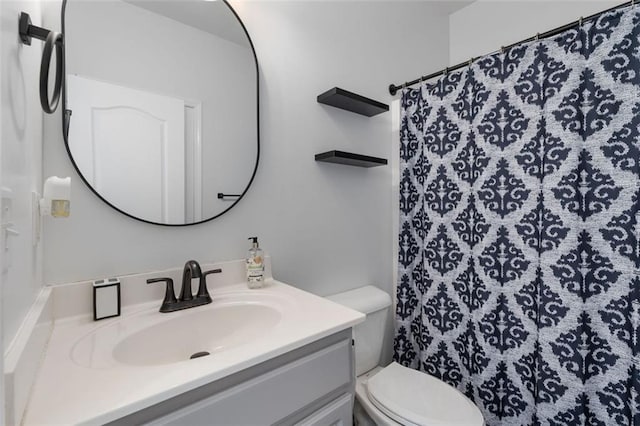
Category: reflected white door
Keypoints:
(127, 138)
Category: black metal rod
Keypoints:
(393, 89)
(222, 196)
(28, 31)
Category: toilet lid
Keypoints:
(414, 398)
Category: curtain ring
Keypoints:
(471, 61)
(502, 49)
(580, 21)
(446, 70)
(537, 36)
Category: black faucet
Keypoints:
(191, 270)
(186, 300)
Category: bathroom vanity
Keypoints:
(277, 355)
(312, 385)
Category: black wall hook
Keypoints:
(28, 31)
(51, 39)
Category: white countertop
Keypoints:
(66, 392)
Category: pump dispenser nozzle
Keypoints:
(254, 241)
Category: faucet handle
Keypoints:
(169, 295)
(202, 289)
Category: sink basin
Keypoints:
(151, 338)
(210, 330)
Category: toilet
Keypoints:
(397, 395)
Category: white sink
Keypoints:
(149, 338)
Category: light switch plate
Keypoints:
(6, 224)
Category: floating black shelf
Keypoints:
(349, 101)
(350, 159)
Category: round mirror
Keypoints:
(161, 106)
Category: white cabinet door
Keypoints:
(127, 138)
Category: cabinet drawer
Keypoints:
(339, 412)
(272, 396)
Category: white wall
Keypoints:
(21, 146)
(485, 25)
(327, 227)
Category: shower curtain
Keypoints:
(519, 242)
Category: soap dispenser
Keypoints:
(255, 265)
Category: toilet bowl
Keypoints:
(397, 395)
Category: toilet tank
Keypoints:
(368, 335)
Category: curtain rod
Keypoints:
(393, 89)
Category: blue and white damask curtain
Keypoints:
(519, 277)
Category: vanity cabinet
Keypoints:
(312, 385)
(336, 413)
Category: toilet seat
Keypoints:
(413, 398)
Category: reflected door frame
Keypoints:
(193, 160)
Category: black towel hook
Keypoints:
(51, 39)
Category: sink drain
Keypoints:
(199, 355)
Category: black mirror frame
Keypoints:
(66, 121)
